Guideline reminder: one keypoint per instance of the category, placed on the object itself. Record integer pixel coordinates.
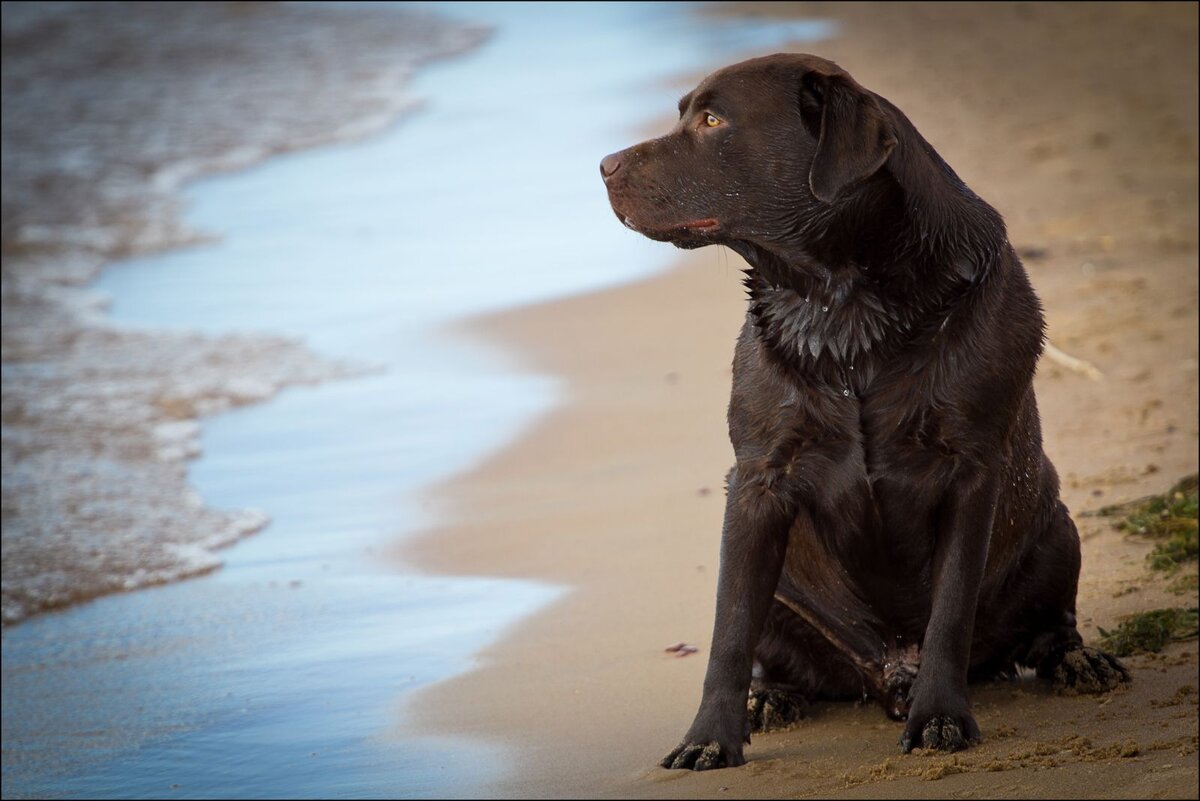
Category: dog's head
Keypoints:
(758, 147)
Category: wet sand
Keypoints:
(1049, 113)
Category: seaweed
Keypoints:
(1170, 519)
(1188, 583)
(1148, 632)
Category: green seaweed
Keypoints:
(1148, 632)
(1170, 519)
(1187, 583)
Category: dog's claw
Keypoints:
(774, 710)
(940, 732)
(1088, 670)
(694, 757)
(701, 756)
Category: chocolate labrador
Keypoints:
(892, 526)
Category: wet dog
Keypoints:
(892, 527)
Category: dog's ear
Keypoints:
(854, 135)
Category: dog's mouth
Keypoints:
(704, 225)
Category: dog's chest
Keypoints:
(867, 420)
(907, 435)
(821, 325)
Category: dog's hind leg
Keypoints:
(794, 665)
(1057, 652)
(800, 659)
(1061, 657)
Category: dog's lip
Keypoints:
(701, 225)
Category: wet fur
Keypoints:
(893, 526)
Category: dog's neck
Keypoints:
(817, 299)
(835, 317)
(830, 319)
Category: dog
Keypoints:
(892, 526)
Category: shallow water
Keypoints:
(283, 673)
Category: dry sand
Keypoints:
(1078, 122)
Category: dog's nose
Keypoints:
(609, 165)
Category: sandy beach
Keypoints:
(1078, 123)
(166, 278)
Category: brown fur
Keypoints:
(893, 526)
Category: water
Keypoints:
(280, 674)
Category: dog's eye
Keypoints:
(711, 121)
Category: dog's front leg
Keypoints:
(758, 514)
(939, 714)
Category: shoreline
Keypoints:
(242, 665)
(618, 493)
(73, 445)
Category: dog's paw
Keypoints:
(711, 755)
(772, 709)
(899, 677)
(1088, 670)
(944, 731)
